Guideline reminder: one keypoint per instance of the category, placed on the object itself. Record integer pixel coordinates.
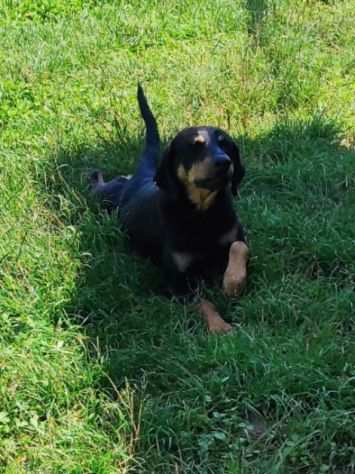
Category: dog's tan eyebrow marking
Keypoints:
(199, 139)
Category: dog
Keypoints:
(177, 209)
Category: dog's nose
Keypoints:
(223, 163)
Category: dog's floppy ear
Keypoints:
(166, 176)
(239, 170)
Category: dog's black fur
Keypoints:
(177, 209)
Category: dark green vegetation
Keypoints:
(99, 375)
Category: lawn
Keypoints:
(98, 373)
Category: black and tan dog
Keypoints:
(177, 209)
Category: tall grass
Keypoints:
(98, 374)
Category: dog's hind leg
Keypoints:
(109, 193)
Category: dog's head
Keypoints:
(200, 161)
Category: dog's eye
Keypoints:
(224, 143)
(222, 140)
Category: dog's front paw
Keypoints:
(215, 323)
(235, 276)
(234, 283)
(219, 326)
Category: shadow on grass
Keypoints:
(257, 10)
(295, 160)
(146, 338)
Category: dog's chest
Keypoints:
(199, 236)
(229, 236)
(203, 249)
(206, 236)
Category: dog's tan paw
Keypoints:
(235, 276)
(219, 327)
(234, 283)
(215, 323)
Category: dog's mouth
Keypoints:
(213, 183)
(216, 181)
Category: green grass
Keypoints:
(98, 374)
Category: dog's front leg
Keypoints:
(176, 265)
(175, 273)
(235, 275)
(215, 323)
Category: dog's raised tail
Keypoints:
(152, 132)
